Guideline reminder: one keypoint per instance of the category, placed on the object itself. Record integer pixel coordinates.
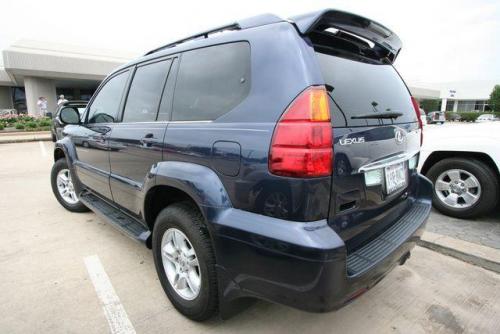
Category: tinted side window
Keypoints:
(168, 93)
(211, 81)
(145, 92)
(104, 108)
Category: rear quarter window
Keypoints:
(211, 81)
(361, 88)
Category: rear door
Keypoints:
(376, 132)
(135, 143)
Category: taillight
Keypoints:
(419, 117)
(302, 140)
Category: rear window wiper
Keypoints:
(378, 115)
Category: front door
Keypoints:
(135, 144)
(91, 139)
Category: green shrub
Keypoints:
(10, 120)
(27, 118)
(19, 126)
(1, 127)
(31, 124)
(469, 116)
(44, 122)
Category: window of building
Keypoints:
(105, 107)
(145, 92)
(86, 94)
(211, 81)
(466, 106)
(19, 100)
(449, 105)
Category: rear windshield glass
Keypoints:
(364, 89)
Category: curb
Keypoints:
(478, 255)
(23, 133)
(24, 140)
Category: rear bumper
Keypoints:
(306, 265)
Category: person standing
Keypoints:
(42, 106)
(61, 100)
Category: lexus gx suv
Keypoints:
(269, 158)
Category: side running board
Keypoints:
(131, 227)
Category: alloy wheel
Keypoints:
(180, 263)
(457, 188)
(65, 187)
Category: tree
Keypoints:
(495, 98)
(429, 105)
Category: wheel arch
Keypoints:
(437, 156)
(159, 197)
(59, 154)
(176, 181)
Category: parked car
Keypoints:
(436, 117)
(423, 117)
(284, 173)
(463, 162)
(486, 118)
(57, 124)
(8, 112)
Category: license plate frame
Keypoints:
(396, 177)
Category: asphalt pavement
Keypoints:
(62, 272)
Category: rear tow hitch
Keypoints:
(403, 258)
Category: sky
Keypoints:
(443, 41)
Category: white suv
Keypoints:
(463, 162)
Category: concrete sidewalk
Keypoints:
(23, 137)
(479, 255)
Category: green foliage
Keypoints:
(44, 122)
(429, 105)
(19, 126)
(469, 116)
(27, 118)
(31, 124)
(2, 126)
(495, 99)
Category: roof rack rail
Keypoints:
(205, 34)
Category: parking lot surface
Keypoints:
(483, 230)
(45, 284)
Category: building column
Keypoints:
(455, 106)
(36, 87)
(443, 104)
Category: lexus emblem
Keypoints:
(399, 136)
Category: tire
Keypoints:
(76, 206)
(487, 192)
(186, 218)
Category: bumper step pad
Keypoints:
(376, 250)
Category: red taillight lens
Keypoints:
(302, 141)
(416, 106)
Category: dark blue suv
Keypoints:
(269, 158)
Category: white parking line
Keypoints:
(113, 309)
(42, 148)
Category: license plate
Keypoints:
(395, 177)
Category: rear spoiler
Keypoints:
(386, 43)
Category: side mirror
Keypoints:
(69, 116)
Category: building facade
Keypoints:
(34, 69)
